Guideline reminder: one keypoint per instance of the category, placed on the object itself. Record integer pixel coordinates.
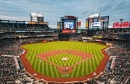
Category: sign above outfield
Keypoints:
(121, 24)
(68, 31)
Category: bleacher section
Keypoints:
(7, 25)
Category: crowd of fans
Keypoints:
(9, 72)
(9, 47)
(12, 70)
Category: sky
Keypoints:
(54, 9)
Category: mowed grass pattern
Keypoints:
(47, 69)
(71, 59)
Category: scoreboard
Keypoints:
(99, 22)
(68, 24)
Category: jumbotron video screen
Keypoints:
(68, 25)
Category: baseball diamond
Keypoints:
(47, 59)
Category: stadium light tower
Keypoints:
(121, 20)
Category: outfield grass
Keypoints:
(47, 69)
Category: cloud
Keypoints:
(53, 10)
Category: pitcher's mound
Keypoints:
(65, 58)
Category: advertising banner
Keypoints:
(87, 23)
(121, 24)
(58, 25)
(79, 25)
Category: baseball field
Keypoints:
(49, 62)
